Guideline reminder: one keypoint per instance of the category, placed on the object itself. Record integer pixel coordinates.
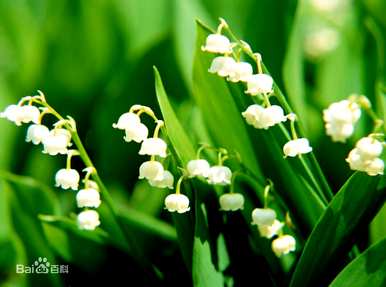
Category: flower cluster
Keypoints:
(340, 119)
(228, 65)
(366, 156)
(57, 141)
(269, 226)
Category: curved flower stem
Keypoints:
(179, 182)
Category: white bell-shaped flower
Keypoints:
(263, 216)
(369, 148)
(253, 115)
(21, 114)
(88, 220)
(153, 146)
(127, 121)
(355, 161)
(151, 170)
(242, 71)
(283, 245)
(375, 167)
(269, 231)
(271, 116)
(231, 201)
(67, 178)
(220, 175)
(198, 167)
(137, 133)
(36, 133)
(88, 197)
(177, 202)
(297, 147)
(223, 66)
(57, 142)
(340, 118)
(216, 43)
(167, 181)
(259, 84)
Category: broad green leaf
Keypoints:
(378, 226)
(184, 150)
(350, 207)
(368, 269)
(220, 112)
(148, 224)
(204, 272)
(183, 147)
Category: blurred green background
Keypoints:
(93, 60)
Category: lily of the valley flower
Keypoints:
(283, 245)
(217, 43)
(365, 156)
(340, 118)
(231, 201)
(297, 147)
(57, 142)
(151, 170)
(126, 121)
(67, 178)
(21, 114)
(222, 66)
(153, 147)
(241, 71)
(263, 216)
(167, 181)
(177, 203)
(198, 167)
(259, 84)
(269, 231)
(88, 220)
(36, 133)
(264, 118)
(88, 197)
(220, 175)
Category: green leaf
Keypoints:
(368, 269)
(176, 133)
(350, 207)
(204, 272)
(219, 108)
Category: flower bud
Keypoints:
(177, 202)
(67, 178)
(231, 201)
(88, 197)
(88, 220)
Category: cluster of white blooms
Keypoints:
(366, 156)
(269, 226)
(217, 175)
(260, 116)
(152, 170)
(340, 119)
(56, 141)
